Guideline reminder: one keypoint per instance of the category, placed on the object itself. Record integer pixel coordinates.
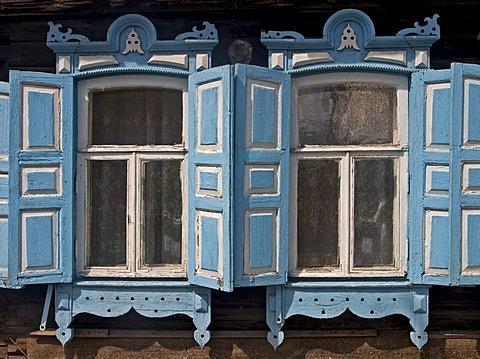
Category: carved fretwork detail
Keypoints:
(55, 35)
(208, 33)
(430, 29)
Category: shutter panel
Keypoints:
(4, 89)
(429, 155)
(210, 179)
(262, 142)
(465, 175)
(41, 179)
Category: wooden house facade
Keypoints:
(239, 179)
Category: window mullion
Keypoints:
(132, 212)
(345, 202)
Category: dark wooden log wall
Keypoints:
(455, 313)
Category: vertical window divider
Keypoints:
(347, 233)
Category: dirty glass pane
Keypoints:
(136, 116)
(318, 213)
(373, 212)
(162, 213)
(107, 214)
(346, 114)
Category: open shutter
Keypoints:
(465, 175)
(4, 89)
(41, 178)
(262, 142)
(210, 179)
(429, 156)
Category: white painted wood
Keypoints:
(429, 214)
(177, 60)
(466, 85)
(249, 141)
(428, 180)
(57, 133)
(421, 58)
(465, 267)
(64, 64)
(134, 155)
(202, 62)
(394, 57)
(310, 58)
(248, 191)
(429, 116)
(55, 170)
(217, 170)
(90, 61)
(198, 231)
(24, 242)
(277, 60)
(346, 156)
(219, 145)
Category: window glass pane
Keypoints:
(346, 114)
(373, 217)
(318, 213)
(136, 116)
(107, 213)
(162, 213)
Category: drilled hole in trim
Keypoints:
(146, 298)
(419, 337)
(372, 312)
(275, 337)
(177, 299)
(315, 299)
(101, 298)
(63, 333)
(332, 299)
(109, 310)
(300, 299)
(379, 299)
(117, 298)
(162, 298)
(155, 310)
(347, 299)
(323, 311)
(202, 336)
(87, 298)
(394, 299)
(362, 299)
(132, 298)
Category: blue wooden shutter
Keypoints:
(41, 179)
(465, 175)
(210, 179)
(262, 142)
(4, 89)
(429, 155)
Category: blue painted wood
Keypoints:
(473, 113)
(20, 205)
(208, 181)
(266, 93)
(439, 256)
(219, 155)
(474, 178)
(262, 178)
(435, 84)
(152, 301)
(4, 113)
(39, 241)
(264, 115)
(440, 181)
(463, 153)
(40, 116)
(473, 240)
(121, 55)
(209, 102)
(372, 301)
(441, 114)
(348, 38)
(41, 182)
(4, 104)
(261, 228)
(209, 241)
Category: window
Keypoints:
(349, 164)
(131, 164)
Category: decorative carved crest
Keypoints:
(132, 43)
(55, 35)
(430, 29)
(208, 33)
(349, 40)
